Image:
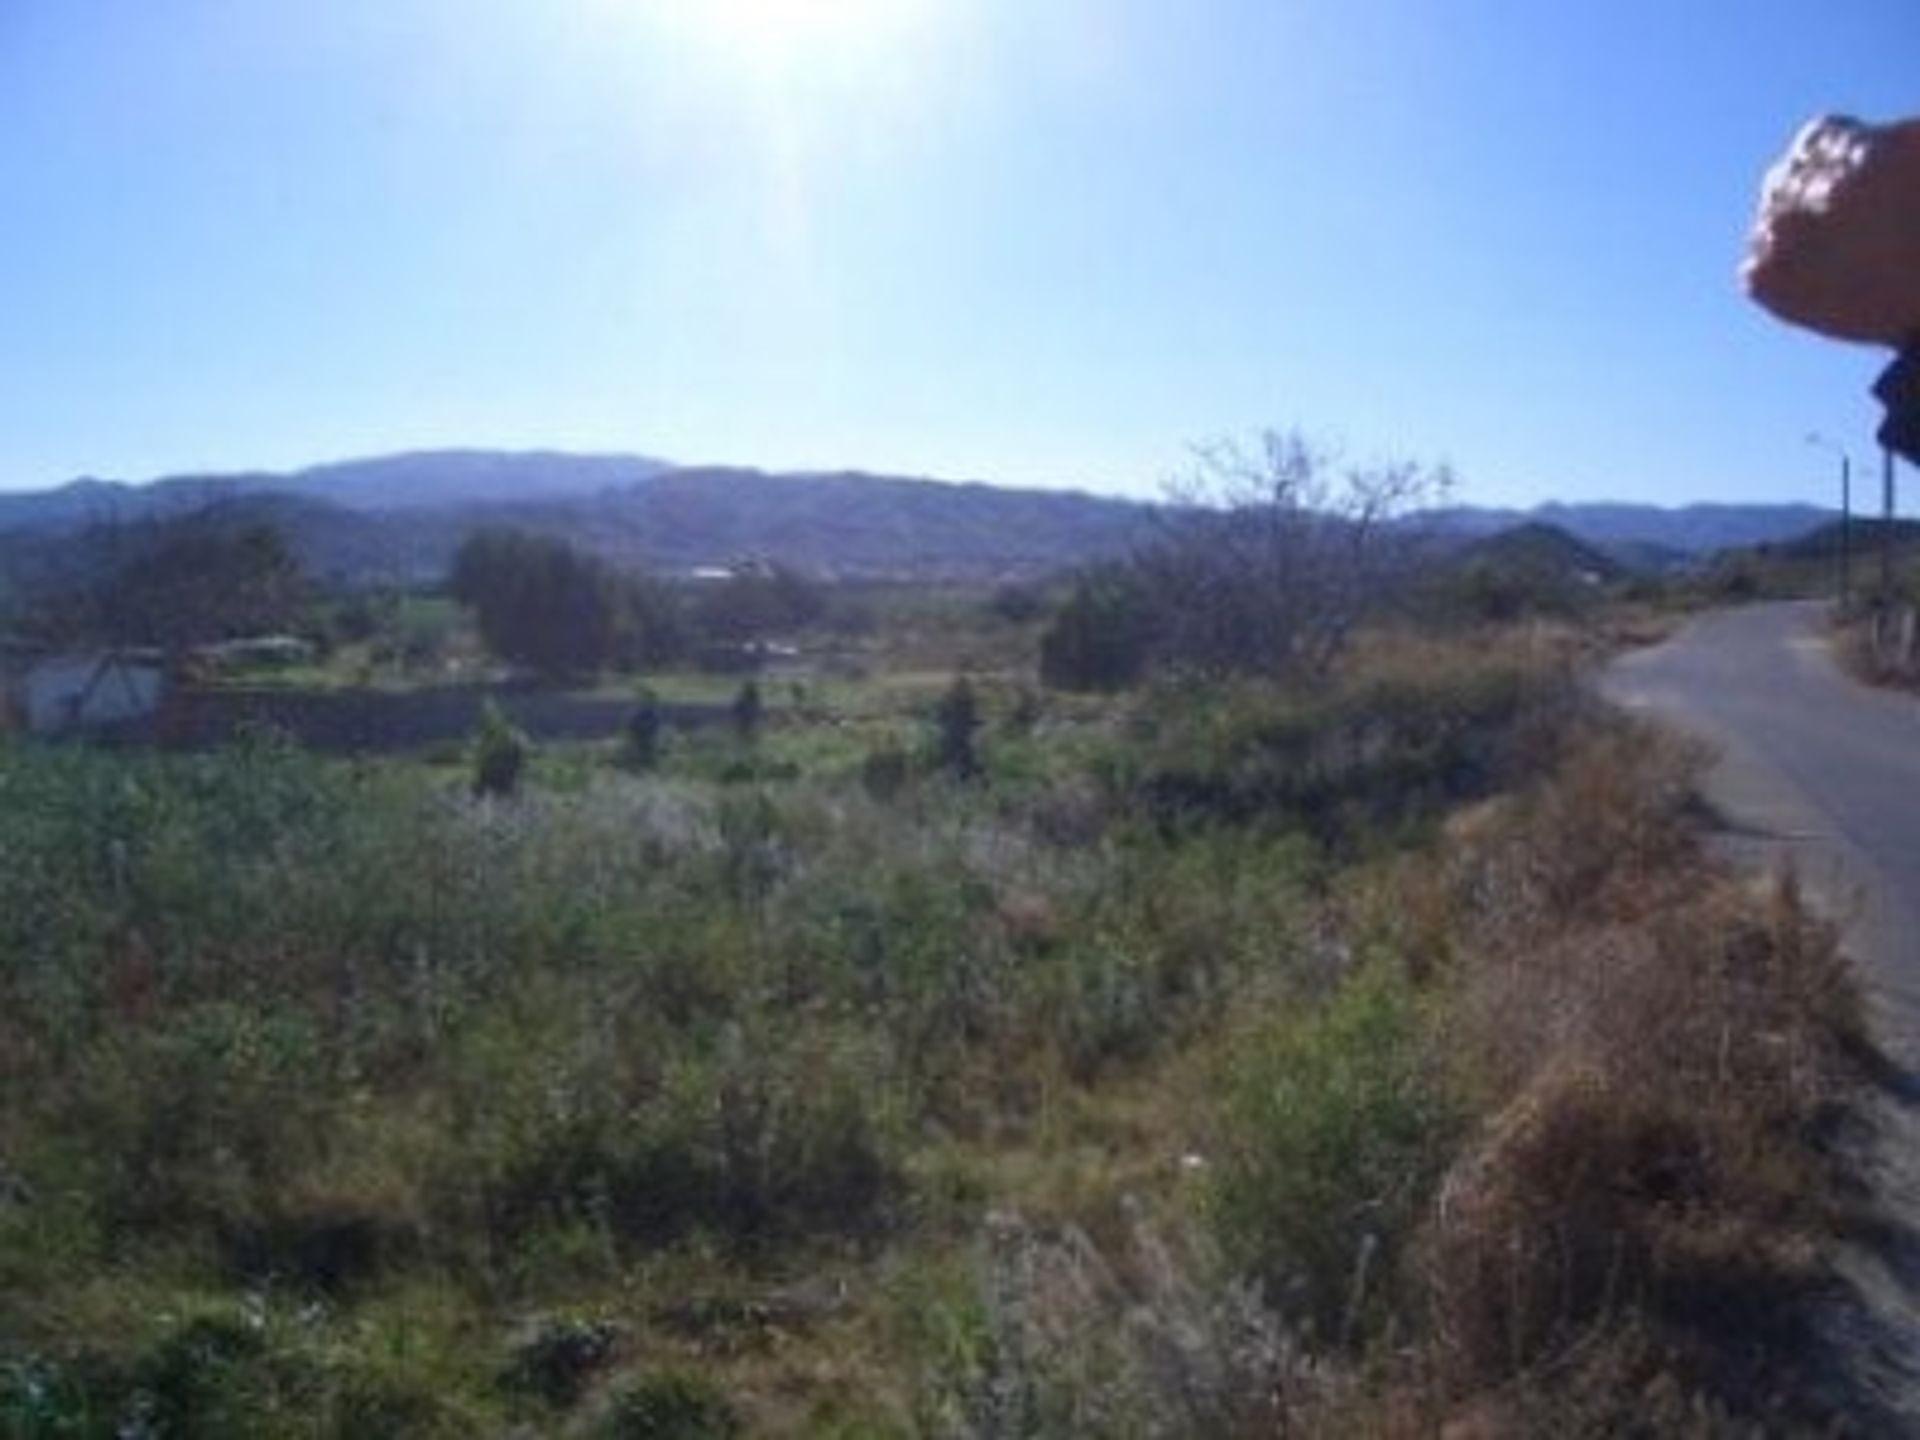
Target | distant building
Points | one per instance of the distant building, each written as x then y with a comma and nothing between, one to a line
44,692
256,652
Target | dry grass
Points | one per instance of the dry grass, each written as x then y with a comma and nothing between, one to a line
1657,1048
1029,1116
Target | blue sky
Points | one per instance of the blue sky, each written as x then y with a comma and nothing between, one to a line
1033,241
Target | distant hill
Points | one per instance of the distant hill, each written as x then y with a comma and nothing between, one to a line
848,524
1865,537
1687,530
418,480
400,517
1539,551
435,479
1528,569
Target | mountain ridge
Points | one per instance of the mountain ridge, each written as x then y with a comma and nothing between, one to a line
399,517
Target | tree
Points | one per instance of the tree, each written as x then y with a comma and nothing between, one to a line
499,753
757,601
1274,553
1103,634
748,710
641,748
648,627
538,601
180,582
542,603
956,725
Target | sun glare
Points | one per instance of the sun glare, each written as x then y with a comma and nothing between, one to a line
779,34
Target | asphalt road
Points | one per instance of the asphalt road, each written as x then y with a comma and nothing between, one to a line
1813,767
1823,772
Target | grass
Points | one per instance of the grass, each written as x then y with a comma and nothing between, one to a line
752,1093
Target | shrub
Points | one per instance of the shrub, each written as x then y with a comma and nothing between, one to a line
499,753
668,1405
748,711
1016,604
1333,1132
555,1356
1102,637
640,742
885,771
956,727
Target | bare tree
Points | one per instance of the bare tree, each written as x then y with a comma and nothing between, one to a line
1270,554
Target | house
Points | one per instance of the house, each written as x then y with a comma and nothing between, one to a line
50,692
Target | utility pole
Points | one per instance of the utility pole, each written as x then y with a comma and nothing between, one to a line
1846,516
1886,526
1846,531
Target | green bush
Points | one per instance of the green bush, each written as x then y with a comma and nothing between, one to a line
499,753
1345,765
640,739
1102,637
668,1406
956,729
885,771
1333,1131
555,1356
748,711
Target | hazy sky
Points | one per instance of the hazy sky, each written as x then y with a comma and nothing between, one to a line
1033,241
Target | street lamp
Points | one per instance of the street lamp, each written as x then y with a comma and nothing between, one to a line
1846,514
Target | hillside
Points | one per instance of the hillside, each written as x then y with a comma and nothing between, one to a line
416,480
400,517
1538,550
1685,530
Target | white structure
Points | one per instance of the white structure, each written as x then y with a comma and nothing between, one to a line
55,694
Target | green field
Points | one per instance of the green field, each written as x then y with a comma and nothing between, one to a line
793,1083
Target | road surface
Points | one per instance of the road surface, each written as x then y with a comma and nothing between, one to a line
1812,766
1819,770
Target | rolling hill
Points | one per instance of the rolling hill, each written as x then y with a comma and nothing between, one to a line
399,518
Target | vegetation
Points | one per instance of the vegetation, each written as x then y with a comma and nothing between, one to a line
499,754
1265,564
544,605
956,731
640,749
747,712
758,601
176,583
1102,635
1368,1056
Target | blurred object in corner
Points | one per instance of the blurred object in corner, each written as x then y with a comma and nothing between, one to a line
1836,245
1836,248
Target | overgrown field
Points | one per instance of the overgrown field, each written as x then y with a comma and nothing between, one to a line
1213,1062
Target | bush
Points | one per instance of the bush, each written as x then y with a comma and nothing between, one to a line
748,711
555,1356
640,741
885,771
668,1406
1347,763
1017,604
499,753
1102,638
956,726
1334,1130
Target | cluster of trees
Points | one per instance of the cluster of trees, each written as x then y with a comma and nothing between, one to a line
172,583
756,601
542,603
1264,563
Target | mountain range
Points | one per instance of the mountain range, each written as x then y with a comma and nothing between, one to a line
399,518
